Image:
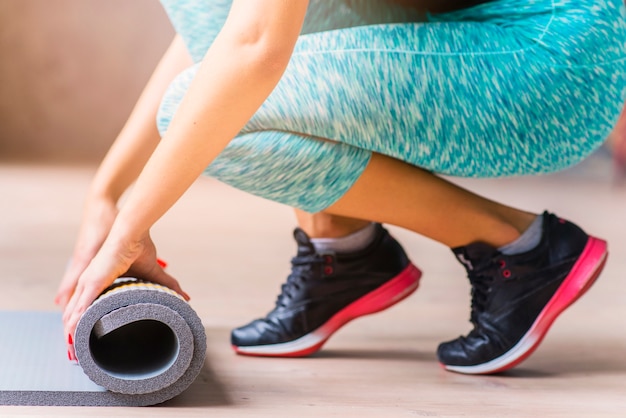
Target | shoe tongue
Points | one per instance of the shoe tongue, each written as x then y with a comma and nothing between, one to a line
473,255
305,247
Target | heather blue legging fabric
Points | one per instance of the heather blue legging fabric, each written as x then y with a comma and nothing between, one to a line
509,87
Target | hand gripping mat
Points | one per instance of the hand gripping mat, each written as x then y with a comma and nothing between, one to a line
138,344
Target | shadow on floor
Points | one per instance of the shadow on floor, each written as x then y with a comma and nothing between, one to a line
206,390
573,358
377,354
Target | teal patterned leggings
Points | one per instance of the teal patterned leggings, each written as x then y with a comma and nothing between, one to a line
509,87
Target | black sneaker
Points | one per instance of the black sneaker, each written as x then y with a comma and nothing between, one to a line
324,292
515,298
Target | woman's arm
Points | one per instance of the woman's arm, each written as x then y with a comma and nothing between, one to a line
121,166
238,73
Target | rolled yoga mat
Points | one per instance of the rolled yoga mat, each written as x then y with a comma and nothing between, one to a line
138,344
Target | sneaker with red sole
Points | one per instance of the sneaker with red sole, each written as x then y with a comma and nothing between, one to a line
516,298
325,291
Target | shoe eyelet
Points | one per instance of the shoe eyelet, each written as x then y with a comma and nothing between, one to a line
506,274
328,270
502,264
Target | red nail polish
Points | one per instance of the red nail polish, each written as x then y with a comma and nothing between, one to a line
161,263
69,355
69,339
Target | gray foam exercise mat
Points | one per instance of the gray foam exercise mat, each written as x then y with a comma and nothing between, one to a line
139,344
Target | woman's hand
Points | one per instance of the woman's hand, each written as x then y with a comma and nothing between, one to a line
97,221
116,257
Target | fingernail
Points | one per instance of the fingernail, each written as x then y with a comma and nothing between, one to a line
69,355
161,263
69,339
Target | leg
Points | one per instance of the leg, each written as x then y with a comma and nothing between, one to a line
280,332
199,25
518,290
299,325
393,192
508,137
427,95
198,22
561,279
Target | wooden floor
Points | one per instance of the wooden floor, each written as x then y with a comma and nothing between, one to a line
231,252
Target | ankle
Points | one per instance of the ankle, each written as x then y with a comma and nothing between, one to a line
321,225
498,231
351,243
512,227
528,240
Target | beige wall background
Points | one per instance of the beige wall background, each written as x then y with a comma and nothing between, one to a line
70,72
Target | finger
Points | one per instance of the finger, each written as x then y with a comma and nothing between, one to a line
166,280
71,303
67,320
81,300
68,282
71,316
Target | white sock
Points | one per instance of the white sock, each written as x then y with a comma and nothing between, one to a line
527,241
350,243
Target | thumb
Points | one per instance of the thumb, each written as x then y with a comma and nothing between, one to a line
163,278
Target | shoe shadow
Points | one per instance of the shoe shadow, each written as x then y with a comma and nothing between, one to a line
573,358
376,354
558,359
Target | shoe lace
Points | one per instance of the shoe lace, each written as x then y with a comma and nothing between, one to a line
302,270
481,279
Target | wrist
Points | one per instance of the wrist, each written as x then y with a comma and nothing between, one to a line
104,193
125,232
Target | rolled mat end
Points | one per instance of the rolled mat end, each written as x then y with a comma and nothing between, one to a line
141,339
